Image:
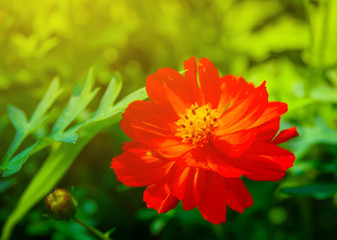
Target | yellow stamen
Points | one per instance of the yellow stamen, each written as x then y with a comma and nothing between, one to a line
197,124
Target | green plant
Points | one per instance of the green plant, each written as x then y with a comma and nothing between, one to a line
67,142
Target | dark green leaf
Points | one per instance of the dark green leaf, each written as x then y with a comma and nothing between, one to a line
6,183
319,191
158,225
16,163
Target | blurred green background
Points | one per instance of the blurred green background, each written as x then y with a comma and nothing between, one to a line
292,44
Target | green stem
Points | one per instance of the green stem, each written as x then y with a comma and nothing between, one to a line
92,230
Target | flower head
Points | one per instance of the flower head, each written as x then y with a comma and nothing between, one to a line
197,136
61,204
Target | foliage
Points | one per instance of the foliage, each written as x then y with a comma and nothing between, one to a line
60,159
290,44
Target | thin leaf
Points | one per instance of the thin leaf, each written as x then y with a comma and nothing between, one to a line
16,163
109,232
47,101
38,146
19,137
139,94
13,166
23,128
76,105
88,82
110,96
69,136
17,117
136,95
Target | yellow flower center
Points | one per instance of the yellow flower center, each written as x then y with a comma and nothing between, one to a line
197,124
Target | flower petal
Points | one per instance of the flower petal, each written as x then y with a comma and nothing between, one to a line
269,122
212,204
234,144
233,91
246,113
285,135
267,131
273,110
209,82
265,162
187,185
209,158
168,89
147,122
237,196
137,169
159,197
218,193
172,149
191,78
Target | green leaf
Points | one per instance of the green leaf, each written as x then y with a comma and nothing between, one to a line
109,232
59,161
319,191
134,96
146,214
16,163
158,225
309,136
23,128
48,99
75,106
122,188
6,183
69,136
88,82
77,103
110,96
18,138
49,174
17,117
119,108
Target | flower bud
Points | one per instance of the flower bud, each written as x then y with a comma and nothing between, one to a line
61,204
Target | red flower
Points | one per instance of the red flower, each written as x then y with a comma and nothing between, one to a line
197,136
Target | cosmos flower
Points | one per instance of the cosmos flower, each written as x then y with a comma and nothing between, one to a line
197,136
